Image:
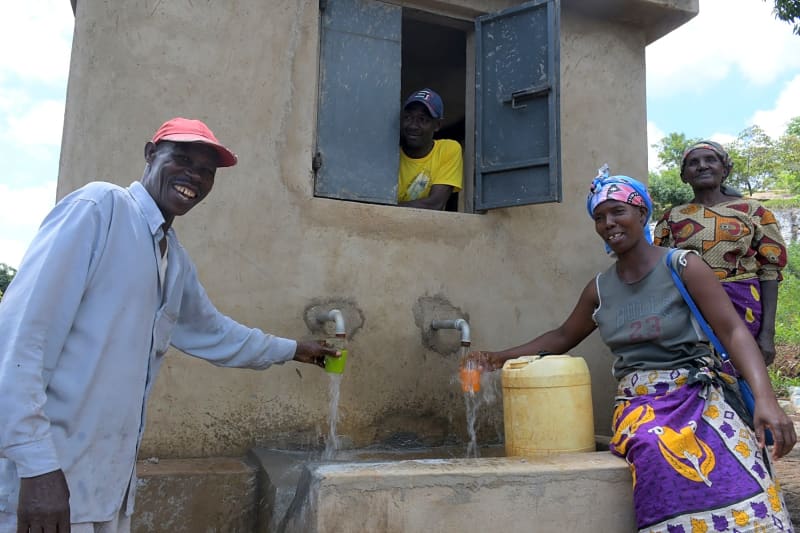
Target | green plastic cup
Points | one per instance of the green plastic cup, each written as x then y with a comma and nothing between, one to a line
335,365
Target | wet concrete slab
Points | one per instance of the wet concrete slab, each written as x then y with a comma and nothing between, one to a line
279,471
394,491
195,496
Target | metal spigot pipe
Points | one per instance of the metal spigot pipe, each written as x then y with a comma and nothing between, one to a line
459,324
337,317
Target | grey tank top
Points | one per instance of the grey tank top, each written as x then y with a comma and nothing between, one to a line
647,325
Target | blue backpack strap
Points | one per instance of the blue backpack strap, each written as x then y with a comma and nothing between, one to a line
690,302
744,388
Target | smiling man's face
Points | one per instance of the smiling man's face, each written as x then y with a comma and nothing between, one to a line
178,175
417,127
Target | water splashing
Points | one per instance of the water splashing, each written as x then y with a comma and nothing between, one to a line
332,442
471,402
471,385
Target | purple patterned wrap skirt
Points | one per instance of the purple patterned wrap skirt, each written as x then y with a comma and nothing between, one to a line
696,465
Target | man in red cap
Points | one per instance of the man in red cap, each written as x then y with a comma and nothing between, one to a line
103,291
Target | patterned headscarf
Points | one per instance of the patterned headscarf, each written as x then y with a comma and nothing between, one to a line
623,189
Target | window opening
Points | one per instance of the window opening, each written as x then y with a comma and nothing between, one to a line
434,55
498,78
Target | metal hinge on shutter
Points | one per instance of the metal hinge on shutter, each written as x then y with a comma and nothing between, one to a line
316,162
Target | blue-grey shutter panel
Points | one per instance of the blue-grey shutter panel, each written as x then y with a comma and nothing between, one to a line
358,124
517,140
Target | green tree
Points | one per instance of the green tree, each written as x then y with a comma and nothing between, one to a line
670,149
788,153
7,273
755,163
665,186
793,127
788,11
667,189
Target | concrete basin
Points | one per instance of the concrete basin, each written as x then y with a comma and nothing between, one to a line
436,489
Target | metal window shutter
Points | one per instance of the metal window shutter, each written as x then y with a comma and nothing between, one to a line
517,156
358,120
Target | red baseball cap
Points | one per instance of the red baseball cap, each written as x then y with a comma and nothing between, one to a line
186,130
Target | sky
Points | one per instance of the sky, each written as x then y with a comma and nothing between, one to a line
732,66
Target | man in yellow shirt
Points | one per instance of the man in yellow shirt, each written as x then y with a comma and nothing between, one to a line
430,169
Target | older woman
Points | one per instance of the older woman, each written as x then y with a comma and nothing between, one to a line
738,238
697,457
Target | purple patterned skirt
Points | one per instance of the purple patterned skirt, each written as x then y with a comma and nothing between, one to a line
695,464
745,295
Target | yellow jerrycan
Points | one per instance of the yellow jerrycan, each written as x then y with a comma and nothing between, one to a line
547,405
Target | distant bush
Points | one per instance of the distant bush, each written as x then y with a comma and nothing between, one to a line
7,273
781,382
782,203
667,190
787,317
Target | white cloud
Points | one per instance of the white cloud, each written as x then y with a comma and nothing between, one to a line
21,212
36,38
12,99
22,204
726,35
653,136
13,250
722,138
787,106
40,125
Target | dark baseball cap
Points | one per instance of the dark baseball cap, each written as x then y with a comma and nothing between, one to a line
431,101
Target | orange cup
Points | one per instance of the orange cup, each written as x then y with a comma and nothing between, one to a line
470,379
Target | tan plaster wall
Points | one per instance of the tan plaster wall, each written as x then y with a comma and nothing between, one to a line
266,248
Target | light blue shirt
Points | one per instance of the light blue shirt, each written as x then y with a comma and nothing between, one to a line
83,330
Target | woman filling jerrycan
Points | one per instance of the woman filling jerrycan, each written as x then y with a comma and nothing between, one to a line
547,405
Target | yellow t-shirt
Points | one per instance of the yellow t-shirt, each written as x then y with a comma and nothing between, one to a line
442,166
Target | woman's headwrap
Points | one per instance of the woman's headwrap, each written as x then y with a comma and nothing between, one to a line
623,189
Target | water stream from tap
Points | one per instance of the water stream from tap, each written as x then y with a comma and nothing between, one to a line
471,402
332,442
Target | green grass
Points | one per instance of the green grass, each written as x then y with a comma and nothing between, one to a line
787,317
781,382
787,323
782,203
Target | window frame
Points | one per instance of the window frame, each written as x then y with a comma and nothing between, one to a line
476,174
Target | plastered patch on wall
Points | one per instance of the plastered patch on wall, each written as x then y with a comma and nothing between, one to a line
352,314
443,341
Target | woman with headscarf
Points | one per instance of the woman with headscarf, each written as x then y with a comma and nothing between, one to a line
696,461
739,239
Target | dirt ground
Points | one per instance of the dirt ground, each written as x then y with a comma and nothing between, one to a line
787,469
787,360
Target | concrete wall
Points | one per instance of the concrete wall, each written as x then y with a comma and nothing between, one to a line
266,249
